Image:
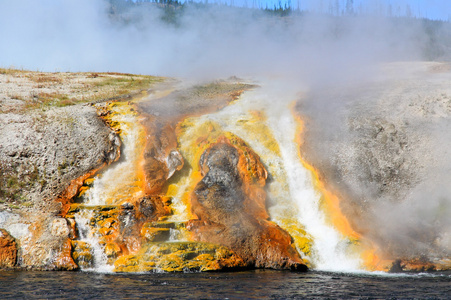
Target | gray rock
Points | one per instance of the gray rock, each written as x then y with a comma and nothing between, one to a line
384,144
41,152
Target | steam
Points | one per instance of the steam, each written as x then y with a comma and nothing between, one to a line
313,52
419,226
216,41
384,144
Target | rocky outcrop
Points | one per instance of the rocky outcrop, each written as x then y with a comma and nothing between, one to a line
54,230
231,231
384,145
180,257
42,153
8,250
230,198
132,232
161,156
229,202
415,265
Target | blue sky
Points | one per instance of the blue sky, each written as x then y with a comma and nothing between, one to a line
432,9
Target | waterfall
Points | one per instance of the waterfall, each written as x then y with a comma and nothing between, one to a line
263,119
98,260
120,181
329,246
293,200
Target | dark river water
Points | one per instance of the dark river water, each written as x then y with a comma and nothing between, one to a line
239,285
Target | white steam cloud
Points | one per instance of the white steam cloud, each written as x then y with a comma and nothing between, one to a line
206,42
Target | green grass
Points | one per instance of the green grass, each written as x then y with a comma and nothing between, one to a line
86,87
14,186
125,85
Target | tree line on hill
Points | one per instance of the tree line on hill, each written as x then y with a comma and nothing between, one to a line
436,43
284,7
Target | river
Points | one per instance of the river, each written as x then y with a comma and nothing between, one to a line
256,284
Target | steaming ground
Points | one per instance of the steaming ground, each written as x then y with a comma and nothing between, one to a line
386,148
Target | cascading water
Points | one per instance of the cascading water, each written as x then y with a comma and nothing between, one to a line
121,181
118,184
270,129
329,246
99,261
294,203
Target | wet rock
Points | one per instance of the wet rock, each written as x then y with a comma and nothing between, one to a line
167,224
161,158
229,202
127,205
152,207
132,217
422,264
60,228
82,254
128,222
112,251
174,162
180,257
219,193
104,223
63,259
8,250
151,234
72,228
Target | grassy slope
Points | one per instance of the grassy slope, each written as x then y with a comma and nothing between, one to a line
30,90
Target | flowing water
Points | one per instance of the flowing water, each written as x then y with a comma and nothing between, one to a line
87,235
329,246
294,201
263,118
258,284
121,181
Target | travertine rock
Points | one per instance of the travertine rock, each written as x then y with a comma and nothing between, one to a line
384,144
229,203
8,250
179,257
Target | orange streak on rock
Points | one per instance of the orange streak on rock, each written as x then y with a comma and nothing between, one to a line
373,262
239,209
65,198
64,261
159,143
371,256
123,118
331,201
8,250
